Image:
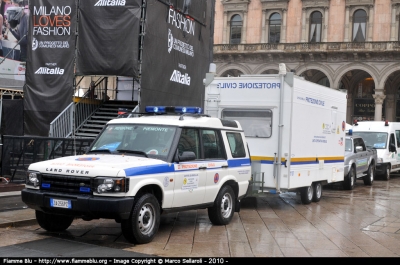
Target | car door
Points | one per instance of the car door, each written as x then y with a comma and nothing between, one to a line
190,176
361,156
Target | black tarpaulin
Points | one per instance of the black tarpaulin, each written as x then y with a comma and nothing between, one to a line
50,63
108,41
175,55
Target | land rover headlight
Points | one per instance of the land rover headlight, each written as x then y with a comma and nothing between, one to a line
32,178
107,185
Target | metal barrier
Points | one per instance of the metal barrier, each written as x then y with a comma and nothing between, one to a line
19,152
62,125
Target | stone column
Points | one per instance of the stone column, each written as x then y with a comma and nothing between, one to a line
283,33
326,21
379,97
347,25
263,28
303,26
393,24
226,26
244,29
370,23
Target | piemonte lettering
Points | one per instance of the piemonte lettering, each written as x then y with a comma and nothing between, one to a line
181,22
56,21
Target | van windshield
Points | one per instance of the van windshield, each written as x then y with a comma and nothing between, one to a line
376,140
149,140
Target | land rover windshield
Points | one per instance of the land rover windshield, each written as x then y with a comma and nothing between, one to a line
376,140
147,140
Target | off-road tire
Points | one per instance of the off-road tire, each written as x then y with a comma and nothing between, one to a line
221,213
369,178
386,175
53,222
144,220
350,179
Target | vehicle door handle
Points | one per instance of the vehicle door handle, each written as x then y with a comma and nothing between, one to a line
202,167
224,166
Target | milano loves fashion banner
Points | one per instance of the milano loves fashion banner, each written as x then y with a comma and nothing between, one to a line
50,63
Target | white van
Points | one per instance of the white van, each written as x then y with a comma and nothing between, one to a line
384,136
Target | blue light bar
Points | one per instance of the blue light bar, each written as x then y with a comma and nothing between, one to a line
176,110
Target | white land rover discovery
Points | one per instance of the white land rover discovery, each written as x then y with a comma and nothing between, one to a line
139,168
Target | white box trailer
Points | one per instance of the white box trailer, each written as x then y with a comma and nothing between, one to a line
295,130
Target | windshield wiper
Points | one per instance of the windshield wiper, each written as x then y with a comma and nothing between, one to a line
100,151
132,152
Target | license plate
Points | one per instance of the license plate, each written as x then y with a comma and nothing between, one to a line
60,203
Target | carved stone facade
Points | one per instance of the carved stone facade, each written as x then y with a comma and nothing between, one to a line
368,70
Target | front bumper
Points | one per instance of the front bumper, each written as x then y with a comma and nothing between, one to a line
85,206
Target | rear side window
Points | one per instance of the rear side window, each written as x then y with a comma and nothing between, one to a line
212,144
255,122
236,144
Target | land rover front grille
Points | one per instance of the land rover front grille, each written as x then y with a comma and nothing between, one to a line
68,184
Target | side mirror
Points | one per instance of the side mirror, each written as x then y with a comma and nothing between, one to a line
186,156
359,148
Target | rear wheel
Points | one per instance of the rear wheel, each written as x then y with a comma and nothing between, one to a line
348,183
317,194
224,206
306,194
386,175
369,178
53,222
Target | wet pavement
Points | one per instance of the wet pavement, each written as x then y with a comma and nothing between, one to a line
364,222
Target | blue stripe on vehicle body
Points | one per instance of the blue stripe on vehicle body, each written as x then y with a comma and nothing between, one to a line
169,168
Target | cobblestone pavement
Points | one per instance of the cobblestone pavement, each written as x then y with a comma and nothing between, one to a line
364,222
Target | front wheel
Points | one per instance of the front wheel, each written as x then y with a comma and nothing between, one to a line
306,194
53,222
348,183
369,178
144,220
386,175
224,207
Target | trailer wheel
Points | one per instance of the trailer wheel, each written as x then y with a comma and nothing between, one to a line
306,194
348,183
224,206
317,193
144,220
53,222
386,175
369,178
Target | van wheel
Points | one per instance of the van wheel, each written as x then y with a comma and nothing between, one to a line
369,178
144,220
224,207
317,194
386,175
53,222
306,194
348,183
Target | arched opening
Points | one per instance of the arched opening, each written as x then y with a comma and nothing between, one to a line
274,28
232,73
236,30
360,88
359,25
315,26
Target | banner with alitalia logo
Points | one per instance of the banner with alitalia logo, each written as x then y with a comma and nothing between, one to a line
176,52
50,63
